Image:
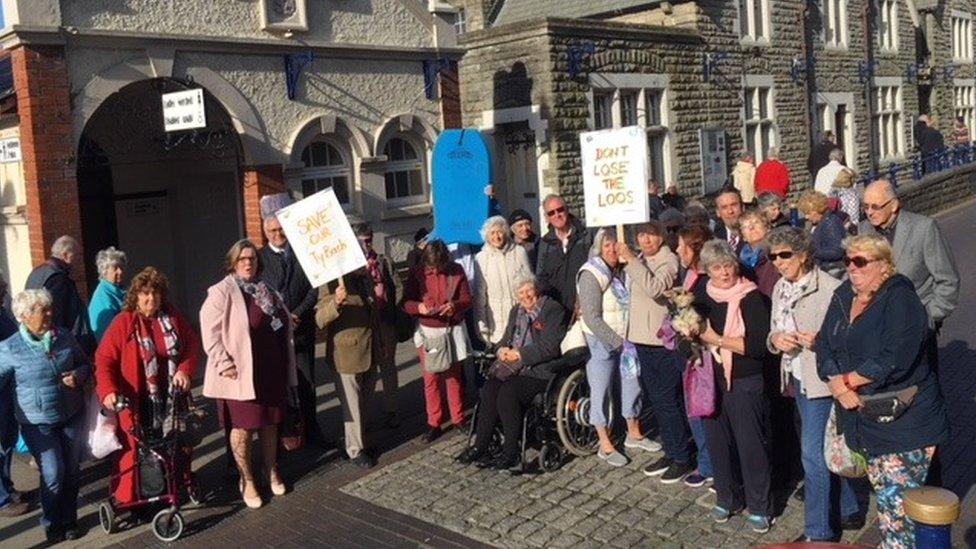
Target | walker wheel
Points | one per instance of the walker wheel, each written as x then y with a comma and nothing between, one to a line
106,517
167,525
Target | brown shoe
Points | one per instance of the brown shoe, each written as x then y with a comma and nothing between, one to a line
14,509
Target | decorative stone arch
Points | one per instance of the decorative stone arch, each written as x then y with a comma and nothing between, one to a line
328,124
244,117
404,123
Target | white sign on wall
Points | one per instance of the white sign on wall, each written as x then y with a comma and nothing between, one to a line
714,169
615,172
321,237
10,150
184,110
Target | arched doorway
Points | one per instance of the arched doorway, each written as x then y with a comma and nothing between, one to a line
171,200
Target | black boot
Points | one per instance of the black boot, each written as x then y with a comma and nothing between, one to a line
470,455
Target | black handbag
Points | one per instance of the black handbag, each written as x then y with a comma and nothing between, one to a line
887,407
404,325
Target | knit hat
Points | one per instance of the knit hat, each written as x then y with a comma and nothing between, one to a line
671,217
519,215
271,203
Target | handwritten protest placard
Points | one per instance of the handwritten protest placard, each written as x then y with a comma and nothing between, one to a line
321,237
615,176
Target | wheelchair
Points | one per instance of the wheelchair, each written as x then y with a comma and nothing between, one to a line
557,420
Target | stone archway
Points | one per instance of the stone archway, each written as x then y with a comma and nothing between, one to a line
171,200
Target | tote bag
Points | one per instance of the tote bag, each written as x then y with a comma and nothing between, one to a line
699,383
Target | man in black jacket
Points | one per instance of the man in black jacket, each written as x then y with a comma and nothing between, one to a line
54,275
280,270
562,251
820,154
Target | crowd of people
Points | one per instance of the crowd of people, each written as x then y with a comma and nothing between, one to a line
803,318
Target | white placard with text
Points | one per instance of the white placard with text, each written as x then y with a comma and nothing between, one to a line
184,110
615,168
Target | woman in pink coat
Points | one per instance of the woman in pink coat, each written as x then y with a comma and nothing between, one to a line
247,335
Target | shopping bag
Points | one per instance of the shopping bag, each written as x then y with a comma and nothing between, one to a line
103,436
699,383
841,460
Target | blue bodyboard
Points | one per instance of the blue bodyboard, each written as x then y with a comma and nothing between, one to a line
462,170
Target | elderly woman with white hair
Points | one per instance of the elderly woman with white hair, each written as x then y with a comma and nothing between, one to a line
109,295
738,433
533,332
48,368
497,266
604,297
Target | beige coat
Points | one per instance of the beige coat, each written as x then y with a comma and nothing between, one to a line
649,278
809,315
497,271
349,328
226,336
743,179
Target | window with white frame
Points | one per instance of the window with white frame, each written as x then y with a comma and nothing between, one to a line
889,126
962,37
326,166
636,105
460,22
404,172
759,120
834,18
887,16
754,20
964,104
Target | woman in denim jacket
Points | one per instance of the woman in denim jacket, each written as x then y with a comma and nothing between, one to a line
48,369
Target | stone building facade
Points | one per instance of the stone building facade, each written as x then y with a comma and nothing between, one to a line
756,72
299,95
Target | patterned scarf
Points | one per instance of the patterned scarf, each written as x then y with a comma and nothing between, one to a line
524,318
783,320
373,266
751,257
162,419
620,286
265,297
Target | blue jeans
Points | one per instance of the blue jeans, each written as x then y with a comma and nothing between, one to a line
662,385
8,441
704,459
57,450
603,375
821,488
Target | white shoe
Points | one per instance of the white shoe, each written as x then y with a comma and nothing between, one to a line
614,459
642,444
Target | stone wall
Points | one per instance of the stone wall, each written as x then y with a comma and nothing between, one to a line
938,192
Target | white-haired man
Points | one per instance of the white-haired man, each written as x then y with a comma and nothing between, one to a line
68,309
828,174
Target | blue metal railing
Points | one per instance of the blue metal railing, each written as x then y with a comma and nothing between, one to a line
919,166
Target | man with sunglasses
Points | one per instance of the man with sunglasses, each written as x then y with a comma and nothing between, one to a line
562,251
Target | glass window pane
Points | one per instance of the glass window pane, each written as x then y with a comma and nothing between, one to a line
306,156
308,187
320,154
751,143
654,103
402,184
760,22
409,153
341,186
749,108
390,185
628,108
744,17
416,183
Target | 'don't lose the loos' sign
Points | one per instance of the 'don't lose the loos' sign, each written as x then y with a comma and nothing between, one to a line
615,171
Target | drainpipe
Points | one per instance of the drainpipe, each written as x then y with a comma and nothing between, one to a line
869,38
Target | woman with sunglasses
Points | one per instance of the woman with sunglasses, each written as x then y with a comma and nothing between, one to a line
800,301
871,352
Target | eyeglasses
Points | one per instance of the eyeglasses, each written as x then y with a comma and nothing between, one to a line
781,255
554,211
876,207
858,261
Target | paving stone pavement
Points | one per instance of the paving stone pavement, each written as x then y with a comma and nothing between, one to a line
586,503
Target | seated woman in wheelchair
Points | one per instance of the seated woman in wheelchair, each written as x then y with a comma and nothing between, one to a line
536,325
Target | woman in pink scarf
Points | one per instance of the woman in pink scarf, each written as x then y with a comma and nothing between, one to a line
738,435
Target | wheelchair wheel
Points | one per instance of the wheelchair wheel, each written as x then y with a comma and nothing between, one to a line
550,457
106,517
572,415
167,525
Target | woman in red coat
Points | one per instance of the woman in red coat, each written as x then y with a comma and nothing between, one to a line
148,346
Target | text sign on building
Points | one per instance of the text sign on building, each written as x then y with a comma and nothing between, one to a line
10,150
615,172
321,237
183,110
715,170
